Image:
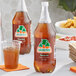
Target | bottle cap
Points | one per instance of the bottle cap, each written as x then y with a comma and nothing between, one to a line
45,18
45,4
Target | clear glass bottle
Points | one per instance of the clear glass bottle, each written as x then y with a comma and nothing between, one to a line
44,43
21,27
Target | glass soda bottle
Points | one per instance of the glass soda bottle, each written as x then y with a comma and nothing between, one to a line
44,43
21,27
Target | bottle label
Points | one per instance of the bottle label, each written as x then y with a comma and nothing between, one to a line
21,31
44,47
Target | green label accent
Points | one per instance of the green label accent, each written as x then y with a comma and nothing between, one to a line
43,55
44,47
21,31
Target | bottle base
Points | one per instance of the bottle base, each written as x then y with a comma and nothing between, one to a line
44,67
25,51
50,71
22,53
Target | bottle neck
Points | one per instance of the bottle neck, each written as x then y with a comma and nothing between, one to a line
22,6
45,18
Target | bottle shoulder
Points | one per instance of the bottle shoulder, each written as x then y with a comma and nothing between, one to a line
44,30
21,17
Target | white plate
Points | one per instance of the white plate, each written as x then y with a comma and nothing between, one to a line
66,31
60,44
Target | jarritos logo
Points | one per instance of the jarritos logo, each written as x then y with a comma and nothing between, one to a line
44,47
21,31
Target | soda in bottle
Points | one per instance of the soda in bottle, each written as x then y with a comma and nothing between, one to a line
21,27
44,43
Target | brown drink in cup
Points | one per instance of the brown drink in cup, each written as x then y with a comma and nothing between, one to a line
11,54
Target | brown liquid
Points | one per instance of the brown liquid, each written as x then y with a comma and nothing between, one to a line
21,18
11,56
44,63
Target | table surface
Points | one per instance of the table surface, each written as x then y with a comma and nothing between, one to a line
63,64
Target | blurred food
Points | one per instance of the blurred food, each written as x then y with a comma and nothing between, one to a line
67,38
73,69
71,23
72,51
57,36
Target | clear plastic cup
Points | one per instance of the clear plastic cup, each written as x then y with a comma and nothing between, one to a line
11,53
